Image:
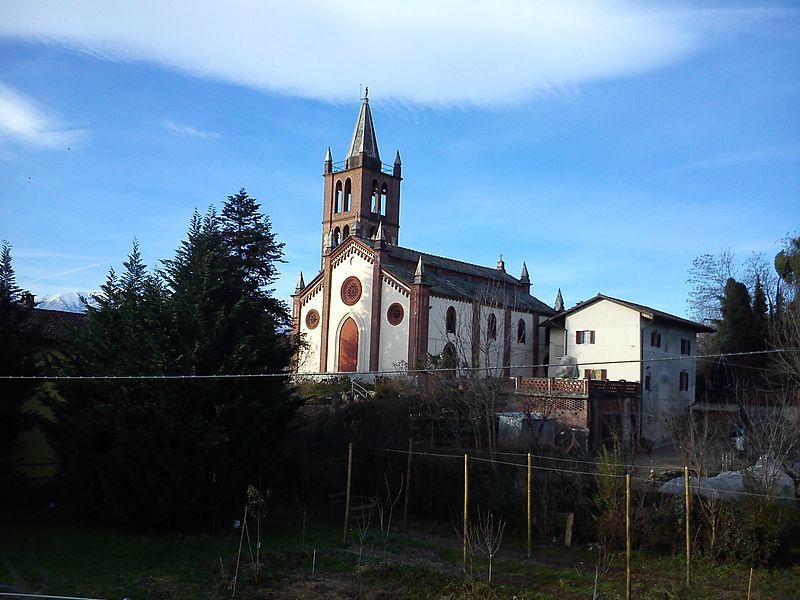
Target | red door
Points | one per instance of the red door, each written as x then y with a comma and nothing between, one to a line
348,347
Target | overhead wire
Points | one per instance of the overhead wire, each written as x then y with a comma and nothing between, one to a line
455,370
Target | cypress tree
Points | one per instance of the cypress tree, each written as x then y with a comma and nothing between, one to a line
158,452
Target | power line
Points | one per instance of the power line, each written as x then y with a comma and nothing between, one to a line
455,370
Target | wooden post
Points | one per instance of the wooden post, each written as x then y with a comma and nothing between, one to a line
568,530
347,495
408,481
750,584
628,536
688,533
529,504
239,554
466,507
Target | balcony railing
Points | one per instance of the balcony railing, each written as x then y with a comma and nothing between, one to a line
584,387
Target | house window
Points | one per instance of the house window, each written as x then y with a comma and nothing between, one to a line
336,237
450,320
584,337
655,339
686,347
346,232
595,374
521,331
491,327
648,382
684,382
374,202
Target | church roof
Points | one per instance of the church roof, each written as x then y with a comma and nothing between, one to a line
364,139
462,280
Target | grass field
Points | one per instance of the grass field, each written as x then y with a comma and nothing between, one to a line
44,554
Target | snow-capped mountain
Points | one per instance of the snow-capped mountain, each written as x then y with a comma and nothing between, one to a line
67,301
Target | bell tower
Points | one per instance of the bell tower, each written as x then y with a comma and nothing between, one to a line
361,193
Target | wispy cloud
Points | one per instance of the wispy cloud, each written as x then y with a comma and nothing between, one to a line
189,131
70,271
447,52
23,120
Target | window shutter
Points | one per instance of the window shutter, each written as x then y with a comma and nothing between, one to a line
591,337
577,337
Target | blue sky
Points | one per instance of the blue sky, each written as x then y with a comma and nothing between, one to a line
605,143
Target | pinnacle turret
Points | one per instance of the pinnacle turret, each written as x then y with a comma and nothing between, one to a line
419,274
559,305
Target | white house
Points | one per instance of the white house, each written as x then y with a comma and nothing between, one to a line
609,338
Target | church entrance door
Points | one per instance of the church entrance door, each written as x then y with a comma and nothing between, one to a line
348,347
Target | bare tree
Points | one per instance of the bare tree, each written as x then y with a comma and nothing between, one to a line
486,536
703,442
707,277
385,502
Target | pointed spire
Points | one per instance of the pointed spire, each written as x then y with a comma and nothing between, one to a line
501,265
559,306
397,160
524,277
328,155
364,140
301,284
419,274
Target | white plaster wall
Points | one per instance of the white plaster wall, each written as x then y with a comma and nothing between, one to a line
522,354
437,332
394,338
665,399
353,265
617,338
309,359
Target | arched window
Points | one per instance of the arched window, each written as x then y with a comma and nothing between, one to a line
374,200
450,320
491,327
345,232
337,236
372,232
337,207
521,331
348,195
384,199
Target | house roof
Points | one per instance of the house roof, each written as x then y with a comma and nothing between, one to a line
646,311
52,325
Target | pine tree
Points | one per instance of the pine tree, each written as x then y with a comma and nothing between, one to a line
17,357
248,233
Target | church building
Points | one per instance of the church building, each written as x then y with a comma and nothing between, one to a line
379,306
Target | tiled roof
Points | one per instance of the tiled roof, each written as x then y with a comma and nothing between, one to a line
641,308
52,325
463,280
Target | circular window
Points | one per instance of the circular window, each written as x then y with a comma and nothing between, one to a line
395,314
312,319
351,291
